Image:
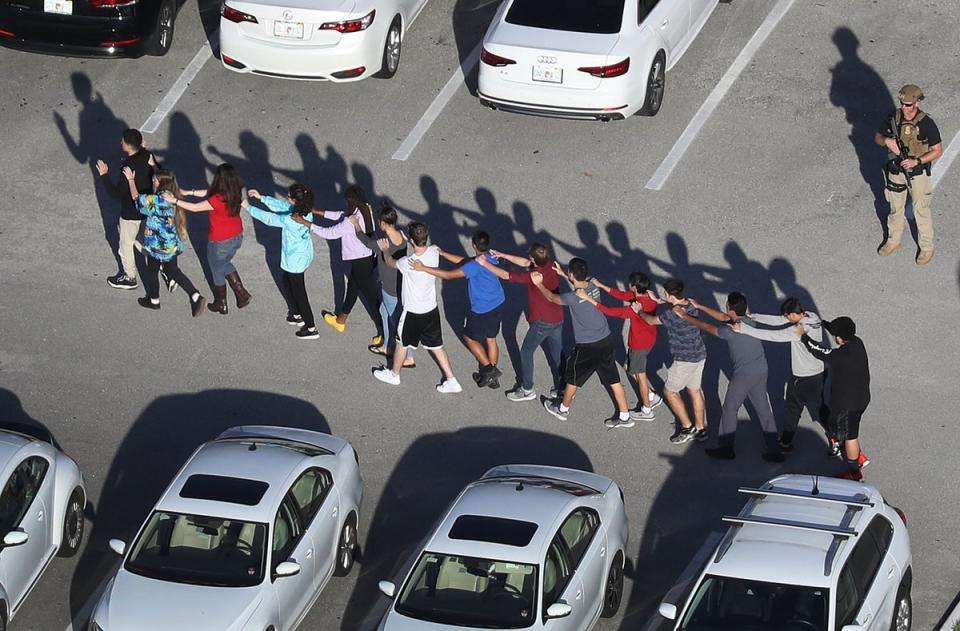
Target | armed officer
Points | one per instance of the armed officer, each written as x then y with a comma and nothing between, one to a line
913,140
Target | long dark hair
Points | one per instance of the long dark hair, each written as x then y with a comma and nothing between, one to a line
357,201
302,199
227,184
167,183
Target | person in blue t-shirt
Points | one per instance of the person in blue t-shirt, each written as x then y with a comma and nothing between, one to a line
486,300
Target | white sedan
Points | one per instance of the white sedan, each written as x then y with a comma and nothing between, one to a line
526,546
244,538
41,512
320,40
585,59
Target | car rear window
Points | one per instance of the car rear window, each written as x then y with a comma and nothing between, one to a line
580,16
508,532
224,489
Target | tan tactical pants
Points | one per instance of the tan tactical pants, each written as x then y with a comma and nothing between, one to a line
922,196
130,235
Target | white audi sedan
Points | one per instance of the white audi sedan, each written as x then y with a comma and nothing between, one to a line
524,547
41,512
585,59
320,40
244,538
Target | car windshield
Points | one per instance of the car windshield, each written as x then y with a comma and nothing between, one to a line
581,16
200,550
470,592
737,604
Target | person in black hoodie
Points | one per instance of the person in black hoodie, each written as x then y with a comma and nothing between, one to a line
131,221
850,390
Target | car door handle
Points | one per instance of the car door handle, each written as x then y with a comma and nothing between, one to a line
309,553
336,510
579,594
603,551
40,516
664,23
891,571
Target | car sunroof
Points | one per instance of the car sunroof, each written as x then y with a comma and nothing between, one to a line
223,489
510,532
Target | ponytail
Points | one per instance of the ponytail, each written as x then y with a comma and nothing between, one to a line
357,202
302,199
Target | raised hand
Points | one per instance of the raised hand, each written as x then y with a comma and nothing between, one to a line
355,220
167,195
557,269
537,278
128,173
800,330
383,244
102,167
300,219
417,265
737,327
254,193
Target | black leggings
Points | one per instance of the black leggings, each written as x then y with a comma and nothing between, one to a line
173,272
296,295
363,280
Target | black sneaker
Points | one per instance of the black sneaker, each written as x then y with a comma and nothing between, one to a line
146,303
700,435
683,435
294,320
308,334
122,281
773,455
720,453
834,449
197,306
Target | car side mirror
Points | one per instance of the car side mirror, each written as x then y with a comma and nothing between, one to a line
119,546
15,538
387,588
668,611
287,568
559,610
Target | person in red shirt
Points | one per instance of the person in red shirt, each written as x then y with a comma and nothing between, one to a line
545,318
641,337
225,234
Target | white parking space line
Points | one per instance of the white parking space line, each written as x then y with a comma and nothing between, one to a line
433,112
683,583
178,88
79,622
941,166
683,143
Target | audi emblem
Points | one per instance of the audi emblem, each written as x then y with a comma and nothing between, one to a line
546,59
288,15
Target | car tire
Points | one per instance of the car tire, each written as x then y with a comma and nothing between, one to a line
162,36
346,547
613,588
656,83
73,525
903,614
391,51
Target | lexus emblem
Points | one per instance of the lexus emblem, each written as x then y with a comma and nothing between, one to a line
546,59
288,15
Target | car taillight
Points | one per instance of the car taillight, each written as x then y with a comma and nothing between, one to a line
494,60
902,515
350,26
99,4
229,13
119,42
5,33
606,72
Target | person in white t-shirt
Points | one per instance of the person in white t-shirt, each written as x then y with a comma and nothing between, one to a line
420,318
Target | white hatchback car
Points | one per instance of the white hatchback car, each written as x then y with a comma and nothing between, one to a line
320,40
244,538
41,512
585,59
805,554
524,547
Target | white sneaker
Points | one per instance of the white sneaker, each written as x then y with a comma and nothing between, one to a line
387,376
643,414
655,400
449,386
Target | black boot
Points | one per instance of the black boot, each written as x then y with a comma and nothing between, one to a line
243,296
219,304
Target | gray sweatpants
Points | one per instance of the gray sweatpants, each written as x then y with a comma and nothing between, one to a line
741,388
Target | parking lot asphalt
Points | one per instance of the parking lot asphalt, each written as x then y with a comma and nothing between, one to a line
776,196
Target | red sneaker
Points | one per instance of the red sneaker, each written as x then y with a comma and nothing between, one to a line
856,476
863,460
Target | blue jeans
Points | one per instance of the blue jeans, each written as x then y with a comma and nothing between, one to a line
536,335
219,255
390,316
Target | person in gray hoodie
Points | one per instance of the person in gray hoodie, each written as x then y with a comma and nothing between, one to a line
805,387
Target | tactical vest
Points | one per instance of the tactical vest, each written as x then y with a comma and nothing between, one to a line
909,131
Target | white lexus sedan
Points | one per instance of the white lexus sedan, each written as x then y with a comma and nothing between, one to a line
585,59
320,40
524,547
41,512
244,538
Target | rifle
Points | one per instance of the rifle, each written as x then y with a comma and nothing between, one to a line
894,164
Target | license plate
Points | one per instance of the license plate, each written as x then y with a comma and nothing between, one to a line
290,30
548,74
63,7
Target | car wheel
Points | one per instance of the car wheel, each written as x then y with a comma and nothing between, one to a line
656,81
347,547
73,525
163,33
391,51
903,618
613,591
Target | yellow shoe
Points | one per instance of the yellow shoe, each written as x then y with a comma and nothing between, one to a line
924,257
377,340
889,247
331,319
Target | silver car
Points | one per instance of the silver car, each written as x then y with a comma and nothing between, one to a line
41,512
524,547
244,538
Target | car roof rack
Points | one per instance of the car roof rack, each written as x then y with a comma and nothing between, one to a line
859,500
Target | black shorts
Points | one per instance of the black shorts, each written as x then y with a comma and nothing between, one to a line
845,424
483,326
415,329
586,359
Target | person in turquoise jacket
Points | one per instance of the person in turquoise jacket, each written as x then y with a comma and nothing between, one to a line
296,250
